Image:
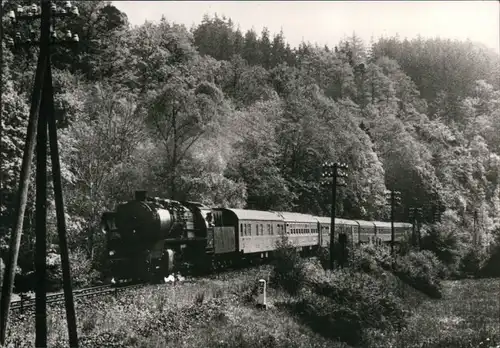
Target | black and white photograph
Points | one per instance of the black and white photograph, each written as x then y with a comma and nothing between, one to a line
250,174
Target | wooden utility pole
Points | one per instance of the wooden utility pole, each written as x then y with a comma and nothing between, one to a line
394,198
43,104
29,148
330,174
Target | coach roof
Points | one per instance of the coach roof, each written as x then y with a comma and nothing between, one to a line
244,214
327,220
297,217
363,223
383,224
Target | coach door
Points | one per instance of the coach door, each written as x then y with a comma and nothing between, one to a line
224,235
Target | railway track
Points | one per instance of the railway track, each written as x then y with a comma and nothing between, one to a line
29,302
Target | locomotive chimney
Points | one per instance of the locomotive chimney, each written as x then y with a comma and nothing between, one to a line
140,195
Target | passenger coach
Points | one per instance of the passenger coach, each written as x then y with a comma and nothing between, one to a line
253,232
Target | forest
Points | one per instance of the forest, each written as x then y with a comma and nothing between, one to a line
227,118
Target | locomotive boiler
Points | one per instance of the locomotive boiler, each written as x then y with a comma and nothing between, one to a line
147,237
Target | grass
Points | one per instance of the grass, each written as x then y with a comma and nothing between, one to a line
218,312
468,315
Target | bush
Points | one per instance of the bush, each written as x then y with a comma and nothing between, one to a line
422,270
445,243
345,304
323,255
369,258
288,267
490,268
472,262
82,272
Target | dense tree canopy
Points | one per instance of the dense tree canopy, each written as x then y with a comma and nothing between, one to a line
237,119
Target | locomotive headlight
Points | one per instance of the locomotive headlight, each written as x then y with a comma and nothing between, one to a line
111,253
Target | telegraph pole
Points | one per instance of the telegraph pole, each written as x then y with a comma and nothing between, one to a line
43,103
412,216
332,171
419,215
394,198
476,237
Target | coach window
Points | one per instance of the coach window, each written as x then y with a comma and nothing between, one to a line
241,229
261,229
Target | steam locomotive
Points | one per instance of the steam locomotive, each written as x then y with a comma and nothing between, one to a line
149,238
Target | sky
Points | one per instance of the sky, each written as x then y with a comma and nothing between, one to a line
327,22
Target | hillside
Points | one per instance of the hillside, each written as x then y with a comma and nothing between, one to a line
244,120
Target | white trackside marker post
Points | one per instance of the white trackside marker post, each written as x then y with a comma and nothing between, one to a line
261,295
